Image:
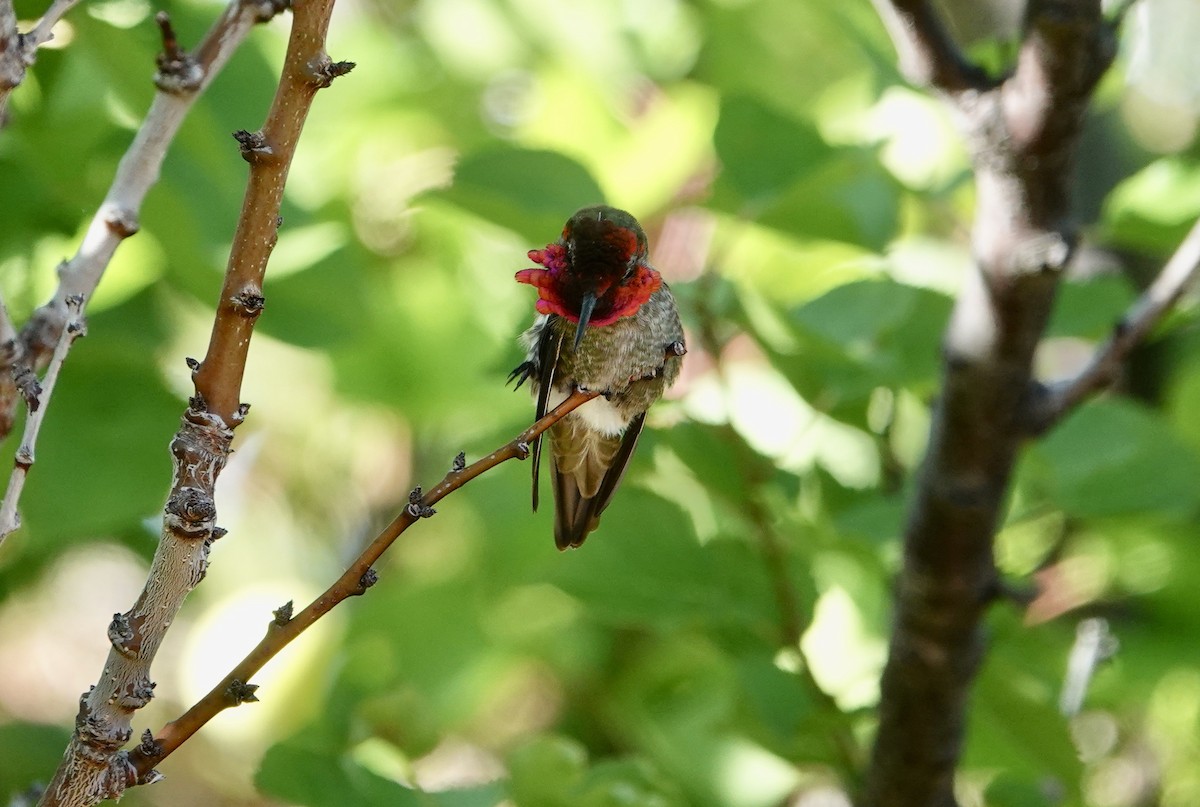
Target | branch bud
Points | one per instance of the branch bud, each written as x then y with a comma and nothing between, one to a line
241,692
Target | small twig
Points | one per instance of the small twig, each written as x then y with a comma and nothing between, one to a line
928,55
12,66
1094,643
10,347
10,520
1061,397
41,32
354,581
19,51
178,71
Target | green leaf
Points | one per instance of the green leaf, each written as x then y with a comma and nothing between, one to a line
763,151
544,769
713,456
780,708
1113,457
626,783
861,336
1007,790
780,172
1152,210
291,772
1015,723
529,192
1090,309
849,198
30,753
643,566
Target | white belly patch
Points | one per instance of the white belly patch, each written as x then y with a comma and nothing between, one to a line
597,413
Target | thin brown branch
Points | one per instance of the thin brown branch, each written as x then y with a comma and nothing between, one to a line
307,69
928,54
1023,137
354,581
93,767
10,520
117,217
1061,397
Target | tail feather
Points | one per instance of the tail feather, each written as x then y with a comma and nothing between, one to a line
586,478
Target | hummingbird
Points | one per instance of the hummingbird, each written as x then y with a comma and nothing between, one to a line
606,322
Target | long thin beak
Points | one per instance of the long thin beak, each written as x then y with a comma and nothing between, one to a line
585,313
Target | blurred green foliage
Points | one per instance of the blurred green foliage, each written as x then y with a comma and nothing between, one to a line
811,214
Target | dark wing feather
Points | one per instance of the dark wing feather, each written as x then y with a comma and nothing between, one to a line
548,345
577,515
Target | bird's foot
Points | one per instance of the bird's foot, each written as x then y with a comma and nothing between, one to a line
606,394
672,351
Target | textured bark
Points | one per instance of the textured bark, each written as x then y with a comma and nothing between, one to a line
94,767
1022,131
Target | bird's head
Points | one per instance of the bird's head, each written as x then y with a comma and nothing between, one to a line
597,272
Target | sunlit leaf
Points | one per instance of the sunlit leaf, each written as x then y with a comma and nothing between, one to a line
861,336
1113,457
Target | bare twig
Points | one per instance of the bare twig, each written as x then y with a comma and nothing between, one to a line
1023,135
1061,397
928,55
354,581
10,520
10,348
19,51
1094,643
93,767
41,32
116,219
12,61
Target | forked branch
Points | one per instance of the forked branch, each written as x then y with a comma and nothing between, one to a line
181,77
1180,273
1023,134
231,690
19,51
928,54
94,767
36,396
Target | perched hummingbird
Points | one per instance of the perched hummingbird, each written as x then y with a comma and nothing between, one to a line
606,322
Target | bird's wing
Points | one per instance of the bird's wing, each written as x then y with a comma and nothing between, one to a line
549,343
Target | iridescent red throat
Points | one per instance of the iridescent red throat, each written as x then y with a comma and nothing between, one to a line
560,287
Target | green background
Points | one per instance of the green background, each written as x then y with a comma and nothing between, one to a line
811,214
